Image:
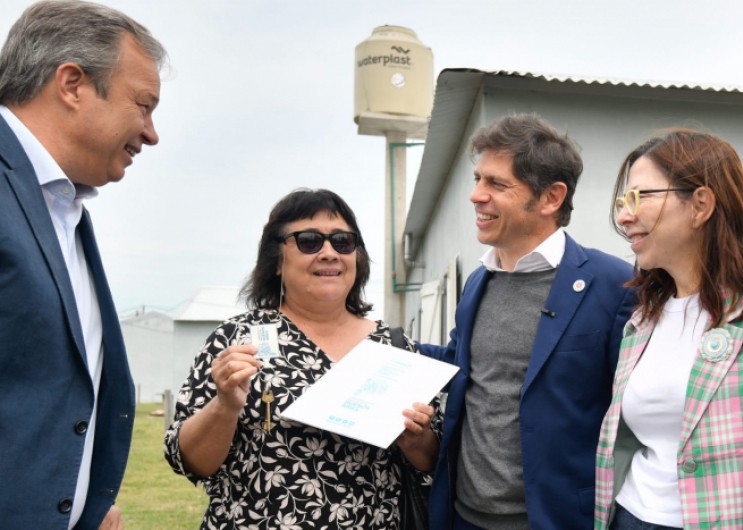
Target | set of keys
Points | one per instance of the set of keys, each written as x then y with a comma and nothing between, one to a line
265,337
267,398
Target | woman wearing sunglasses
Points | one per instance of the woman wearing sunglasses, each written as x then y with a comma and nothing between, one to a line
307,312
670,453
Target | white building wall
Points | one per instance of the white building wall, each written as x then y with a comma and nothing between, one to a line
149,344
188,339
161,349
606,126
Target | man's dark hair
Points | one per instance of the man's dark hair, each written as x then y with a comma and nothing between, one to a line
541,155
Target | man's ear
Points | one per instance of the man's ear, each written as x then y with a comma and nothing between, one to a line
703,203
68,80
553,197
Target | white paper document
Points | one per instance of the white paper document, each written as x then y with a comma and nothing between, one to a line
364,394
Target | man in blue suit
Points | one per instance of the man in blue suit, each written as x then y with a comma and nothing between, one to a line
78,84
537,334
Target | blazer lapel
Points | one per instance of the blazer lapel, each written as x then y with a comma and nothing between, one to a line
636,338
22,180
633,345
466,323
568,289
112,338
704,381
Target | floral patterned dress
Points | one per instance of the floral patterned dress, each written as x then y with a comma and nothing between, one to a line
295,477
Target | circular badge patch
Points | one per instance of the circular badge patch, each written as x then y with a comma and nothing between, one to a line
717,345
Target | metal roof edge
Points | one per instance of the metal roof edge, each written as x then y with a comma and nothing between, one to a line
617,81
456,92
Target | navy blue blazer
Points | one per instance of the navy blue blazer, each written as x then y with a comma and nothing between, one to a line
46,393
565,394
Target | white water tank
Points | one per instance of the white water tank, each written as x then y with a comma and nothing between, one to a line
394,74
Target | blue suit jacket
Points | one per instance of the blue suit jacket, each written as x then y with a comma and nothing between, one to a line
565,394
46,393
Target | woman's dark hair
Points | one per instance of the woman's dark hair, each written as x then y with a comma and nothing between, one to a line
262,290
691,159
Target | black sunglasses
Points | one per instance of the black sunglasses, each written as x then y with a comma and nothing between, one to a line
311,241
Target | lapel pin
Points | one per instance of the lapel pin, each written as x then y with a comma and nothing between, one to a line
717,344
579,285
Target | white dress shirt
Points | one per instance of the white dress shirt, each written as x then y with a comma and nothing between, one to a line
547,255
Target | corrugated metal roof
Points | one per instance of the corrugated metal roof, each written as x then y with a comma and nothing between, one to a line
617,81
456,92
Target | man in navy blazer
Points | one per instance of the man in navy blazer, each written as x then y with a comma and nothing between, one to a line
537,334
78,84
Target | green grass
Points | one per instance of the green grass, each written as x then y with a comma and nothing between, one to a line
152,496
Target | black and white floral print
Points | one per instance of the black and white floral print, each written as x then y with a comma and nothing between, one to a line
294,477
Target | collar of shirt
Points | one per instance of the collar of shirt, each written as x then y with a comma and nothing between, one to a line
51,177
547,255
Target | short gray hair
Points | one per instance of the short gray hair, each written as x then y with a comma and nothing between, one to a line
53,32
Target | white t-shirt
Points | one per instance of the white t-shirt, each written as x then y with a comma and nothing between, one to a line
653,408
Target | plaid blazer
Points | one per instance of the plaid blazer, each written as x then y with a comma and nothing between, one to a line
710,454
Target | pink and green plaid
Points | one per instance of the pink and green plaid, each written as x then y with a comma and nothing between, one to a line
710,456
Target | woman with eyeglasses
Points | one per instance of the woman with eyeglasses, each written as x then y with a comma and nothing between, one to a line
307,312
670,453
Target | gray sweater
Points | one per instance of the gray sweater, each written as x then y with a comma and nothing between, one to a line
490,485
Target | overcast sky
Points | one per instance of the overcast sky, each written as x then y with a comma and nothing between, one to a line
260,101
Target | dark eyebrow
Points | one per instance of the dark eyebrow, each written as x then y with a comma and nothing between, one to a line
492,178
488,175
